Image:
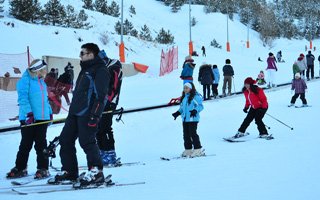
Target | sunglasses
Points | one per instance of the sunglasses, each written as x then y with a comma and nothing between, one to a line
83,53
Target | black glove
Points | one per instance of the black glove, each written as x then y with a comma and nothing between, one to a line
246,109
176,114
93,121
193,113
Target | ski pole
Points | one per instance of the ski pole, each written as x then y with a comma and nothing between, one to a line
280,121
268,127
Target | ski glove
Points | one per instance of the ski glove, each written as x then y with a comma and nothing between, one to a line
176,114
193,113
245,109
29,119
93,121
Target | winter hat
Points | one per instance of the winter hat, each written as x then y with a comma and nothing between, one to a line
270,54
249,80
214,66
188,85
297,75
301,55
37,65
189,58
228,61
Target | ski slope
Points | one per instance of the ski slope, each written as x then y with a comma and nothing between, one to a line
284,168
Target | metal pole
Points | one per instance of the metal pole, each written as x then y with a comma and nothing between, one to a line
121,21
190,20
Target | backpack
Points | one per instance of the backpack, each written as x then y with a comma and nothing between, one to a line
115,70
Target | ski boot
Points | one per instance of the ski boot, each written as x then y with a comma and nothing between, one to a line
186,153
16,173
109,158
92,178
62,177
41,173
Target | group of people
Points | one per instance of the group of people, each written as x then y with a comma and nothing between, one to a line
96,96
96,91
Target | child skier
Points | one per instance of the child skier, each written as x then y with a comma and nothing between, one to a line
260,80
256,100
190,107
300,87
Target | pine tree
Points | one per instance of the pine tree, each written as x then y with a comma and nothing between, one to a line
117,27
132,10
27,10
102,6
54,13
71,17
81,21
127,27
164,37
114,9
1,9
145,33
88,4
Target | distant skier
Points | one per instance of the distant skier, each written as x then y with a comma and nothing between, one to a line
206,78
300,87
271,69
310,65
279,56
216,75
260,79
203,51
256,100
187,70
190,107
228,75
301,62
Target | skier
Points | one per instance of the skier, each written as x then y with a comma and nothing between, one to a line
187,70
105,137
33,107
302,64
88,103
271,68
260,79
295,68
64,84
256,100
216,80
310,65
279,56
190,107
300,87
228,75
203,51
206,78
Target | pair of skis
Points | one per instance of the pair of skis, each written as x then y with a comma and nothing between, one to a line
245,138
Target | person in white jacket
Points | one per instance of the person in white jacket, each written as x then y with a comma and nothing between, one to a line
302,64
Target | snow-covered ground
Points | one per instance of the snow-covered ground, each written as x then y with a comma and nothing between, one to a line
284,168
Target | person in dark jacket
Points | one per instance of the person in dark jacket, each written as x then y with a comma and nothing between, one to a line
206,78
257,104
300,87
228,75
105,136
203,51
64,84
310,65
88,103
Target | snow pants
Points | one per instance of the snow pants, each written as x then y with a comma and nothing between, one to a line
257,115
105,136
302,97
77,127
32,134
190,136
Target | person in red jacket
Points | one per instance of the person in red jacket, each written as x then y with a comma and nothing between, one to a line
257,104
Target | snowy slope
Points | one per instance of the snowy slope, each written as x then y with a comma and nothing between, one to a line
284,168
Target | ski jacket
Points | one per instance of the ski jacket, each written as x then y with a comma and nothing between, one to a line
295,68
271,63
206,76
33,97
216,75
187,71
301,62
227,70
185,108
255,100
310,59
91,91
299,85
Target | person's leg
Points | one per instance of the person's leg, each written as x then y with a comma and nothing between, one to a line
308,72
312,71
229,84
186,135
40,144
294,98
224,86
87,140
193,133
67,140
25,147
204,92
208,91
258,118
246,122
303,98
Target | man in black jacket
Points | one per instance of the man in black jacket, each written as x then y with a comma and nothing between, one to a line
89,99
228,75
310,64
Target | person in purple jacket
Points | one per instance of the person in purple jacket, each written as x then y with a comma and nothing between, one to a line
271,69
300,87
